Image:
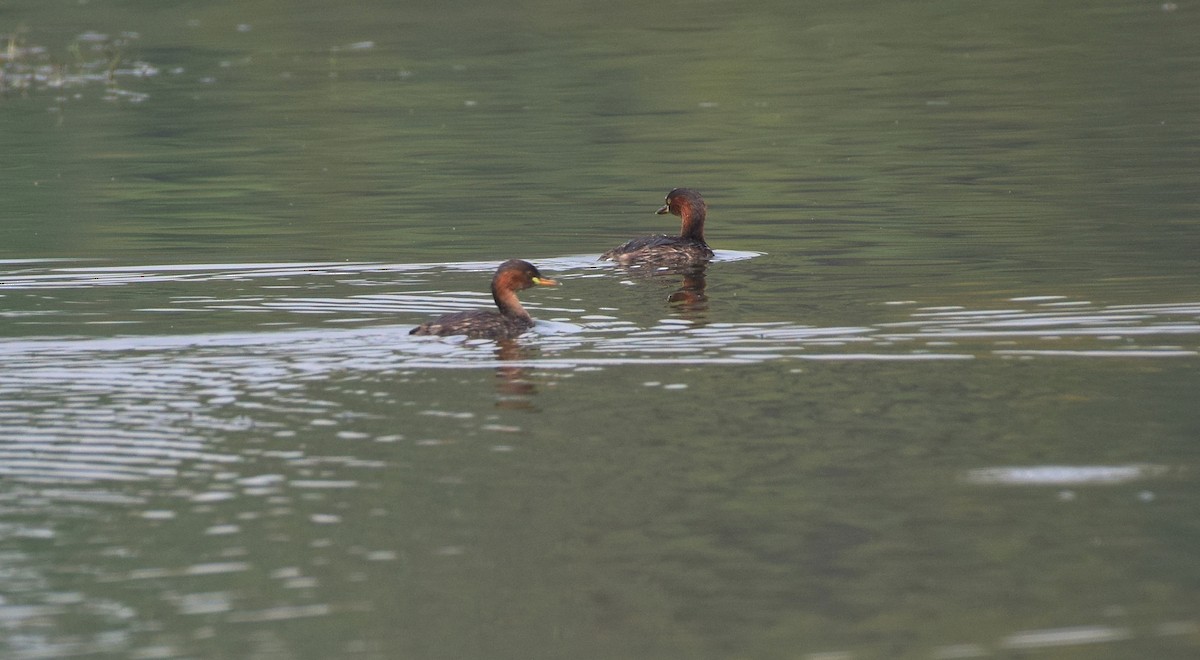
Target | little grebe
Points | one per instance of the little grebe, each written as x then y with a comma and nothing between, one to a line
512,319
687,247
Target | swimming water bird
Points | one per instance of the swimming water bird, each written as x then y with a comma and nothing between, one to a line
686,248
510,322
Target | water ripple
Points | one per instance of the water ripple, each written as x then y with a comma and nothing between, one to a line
1026,327
185,371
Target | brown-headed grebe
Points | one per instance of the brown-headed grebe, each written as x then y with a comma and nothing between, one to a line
510,322
686,248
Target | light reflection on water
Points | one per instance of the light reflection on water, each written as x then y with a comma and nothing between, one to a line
134,407
1064,475
216,428
130,407
572,334
162,383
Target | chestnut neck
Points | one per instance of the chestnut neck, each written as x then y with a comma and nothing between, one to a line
692,226
505,296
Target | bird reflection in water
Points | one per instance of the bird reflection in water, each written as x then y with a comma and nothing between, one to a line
514,390
689,298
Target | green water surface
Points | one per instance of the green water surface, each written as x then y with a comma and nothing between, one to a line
936,397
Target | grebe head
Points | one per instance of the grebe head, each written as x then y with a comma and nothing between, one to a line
515,275
683,202
689,205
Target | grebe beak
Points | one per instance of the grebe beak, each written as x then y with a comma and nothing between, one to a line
545,281
664,210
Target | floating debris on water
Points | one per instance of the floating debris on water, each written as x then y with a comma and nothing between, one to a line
92,58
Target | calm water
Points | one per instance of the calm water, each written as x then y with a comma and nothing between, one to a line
935,398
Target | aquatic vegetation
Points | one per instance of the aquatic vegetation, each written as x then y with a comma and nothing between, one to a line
91,59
